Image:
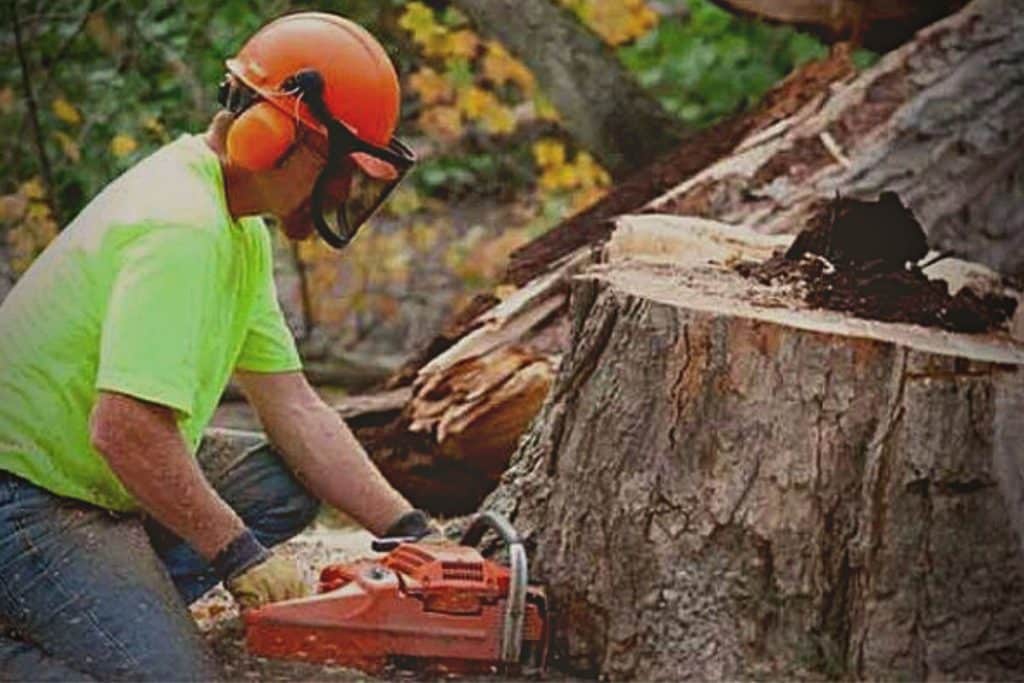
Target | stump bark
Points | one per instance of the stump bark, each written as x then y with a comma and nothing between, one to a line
725,484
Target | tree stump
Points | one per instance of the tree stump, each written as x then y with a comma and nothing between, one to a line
723,483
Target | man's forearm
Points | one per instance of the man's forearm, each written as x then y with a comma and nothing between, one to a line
333,465
144,448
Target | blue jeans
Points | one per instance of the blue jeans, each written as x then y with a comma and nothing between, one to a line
96,595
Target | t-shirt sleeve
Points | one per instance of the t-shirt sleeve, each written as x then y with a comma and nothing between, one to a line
152,332
269,345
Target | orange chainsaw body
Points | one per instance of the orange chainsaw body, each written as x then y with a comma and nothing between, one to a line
442,604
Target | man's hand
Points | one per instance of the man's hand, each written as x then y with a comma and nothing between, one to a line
415,524
272,580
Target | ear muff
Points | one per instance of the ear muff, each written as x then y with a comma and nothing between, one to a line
259,137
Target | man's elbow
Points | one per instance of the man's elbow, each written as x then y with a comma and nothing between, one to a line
121,424
103,431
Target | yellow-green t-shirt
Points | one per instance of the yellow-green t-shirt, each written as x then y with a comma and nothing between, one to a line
152,291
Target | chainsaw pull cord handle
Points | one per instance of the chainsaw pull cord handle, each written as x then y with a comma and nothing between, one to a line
512,631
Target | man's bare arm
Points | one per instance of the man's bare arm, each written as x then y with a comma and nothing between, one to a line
144,448
321,449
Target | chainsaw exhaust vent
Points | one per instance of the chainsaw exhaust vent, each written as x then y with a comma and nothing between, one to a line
463,571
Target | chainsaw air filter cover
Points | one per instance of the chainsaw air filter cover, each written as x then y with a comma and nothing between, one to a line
442,603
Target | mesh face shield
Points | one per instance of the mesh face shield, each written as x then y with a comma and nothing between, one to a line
353,185
357,177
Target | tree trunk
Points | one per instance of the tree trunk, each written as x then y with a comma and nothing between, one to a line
940,121
600,103
876,24
723,484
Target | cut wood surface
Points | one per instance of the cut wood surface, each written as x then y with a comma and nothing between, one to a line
723,483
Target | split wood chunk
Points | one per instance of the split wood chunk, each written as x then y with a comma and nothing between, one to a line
724,483
477,410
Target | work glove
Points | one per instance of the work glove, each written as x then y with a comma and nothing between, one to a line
254,576
272,580
415,524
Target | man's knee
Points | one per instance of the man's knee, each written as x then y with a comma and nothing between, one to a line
268,497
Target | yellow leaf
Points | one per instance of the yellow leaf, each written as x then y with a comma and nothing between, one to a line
442,122
462,44
6,99
473,101
153,125
419,21
549,153
616,21
416,17
97,27
68,146
123,145
505,291
500,67
498,119
584,198
589,173
13,206
431,86
66,112
33,189
543,108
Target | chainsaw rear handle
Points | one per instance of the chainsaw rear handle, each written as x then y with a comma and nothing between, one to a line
512,631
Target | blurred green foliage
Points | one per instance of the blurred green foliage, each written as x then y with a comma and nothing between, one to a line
705,62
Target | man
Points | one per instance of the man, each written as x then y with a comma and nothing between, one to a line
116,345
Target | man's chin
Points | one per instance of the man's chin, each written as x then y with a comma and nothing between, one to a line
298,226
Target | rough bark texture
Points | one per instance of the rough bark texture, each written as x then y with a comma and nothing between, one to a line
723,485
877,24
600,103
940,121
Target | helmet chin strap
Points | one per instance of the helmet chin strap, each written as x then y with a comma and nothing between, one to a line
310,85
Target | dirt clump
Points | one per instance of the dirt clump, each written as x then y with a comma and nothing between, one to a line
864,258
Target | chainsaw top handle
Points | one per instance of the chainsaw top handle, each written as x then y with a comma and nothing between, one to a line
512,631
496,523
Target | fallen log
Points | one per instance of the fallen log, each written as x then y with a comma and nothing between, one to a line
725,483
876,24
939,121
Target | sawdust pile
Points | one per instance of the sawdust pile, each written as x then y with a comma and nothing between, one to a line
864,258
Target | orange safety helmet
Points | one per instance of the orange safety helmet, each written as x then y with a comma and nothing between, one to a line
360,85
329,74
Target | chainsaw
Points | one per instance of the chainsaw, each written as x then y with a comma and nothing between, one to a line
432,606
